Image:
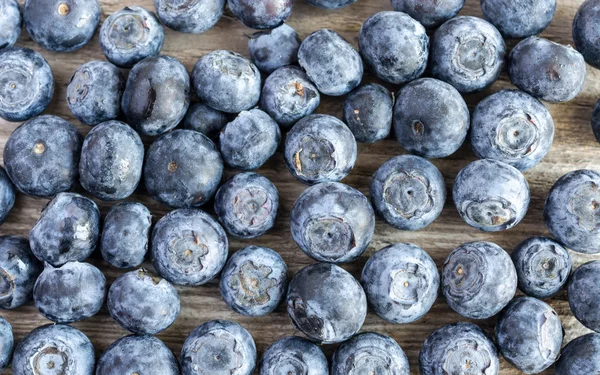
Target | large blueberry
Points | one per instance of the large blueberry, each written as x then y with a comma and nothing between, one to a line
586,32
205,120
519,19
11,22
584,294
293,355
580,356
264,14
330,4
272,49
596,120
19,270
7,195
368,112
7,344
189,16
370,353
431,13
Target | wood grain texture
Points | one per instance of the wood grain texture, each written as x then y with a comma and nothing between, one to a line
574,148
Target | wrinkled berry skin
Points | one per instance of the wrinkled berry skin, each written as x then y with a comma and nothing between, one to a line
247,205
18,271
67,230
370,353
519,19
478,279
188,247
326,303
431,13
265,14
468,53
368,112
547,70
330,62
218,347
542,265
130,35
7,195
584,294
143,303
596,121
205,120
430,133
190,16
586,32
320,148
57,25
70,293
183,169
26,86
7,344
249,140
294,355
11,23
137,355
383,41
330,4
580,356
513,127
491,195
459,348
272,49
226,81
112,157
125,234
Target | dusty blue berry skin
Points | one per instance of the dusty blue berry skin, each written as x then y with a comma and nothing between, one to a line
293,355
326,303
370,353
218,347
431,13
330,62
125,234
227,81
459,348
247,205
478,279
547,70
19,269
188,247
254,281
330,4
519,19
59,25
205,120
137,355
249,140
11,22
192,16
271,49
183,169
70,293
542,265
580,356
368,112
584,294
596,121
586,32
7,195
7,343
468,53
430,133
264,14
26,85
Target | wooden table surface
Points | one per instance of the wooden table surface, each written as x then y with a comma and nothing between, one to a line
574,148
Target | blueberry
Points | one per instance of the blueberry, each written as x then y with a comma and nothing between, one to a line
70,293
468,53
320,148
188,247
67,230
490,195
61,25
459,348
293,355
189,16
143,303
254,281
7,195
596,121
26,85
586,32
130,35
330,4
368,112
11,23
226,81
332,222
513,127
218,347
580,356
584,294
18,271
330,62
478,279
183,169
6,343
431,13
125,234
542,265
264,14
205,120
547,70
326,303
272,49
41,156
249,140
289,95
408,192
247,205
431,119
383,41
519,19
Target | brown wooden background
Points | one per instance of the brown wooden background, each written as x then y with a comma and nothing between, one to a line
574,148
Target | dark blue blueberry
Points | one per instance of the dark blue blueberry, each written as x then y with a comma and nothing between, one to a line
264,14
205,120
580,356
18,271
293,355
519,19
547,70
7,343
67,230
183,169
130,35
247,205
326,303
189,16
431,119
330,62
70,293
431,13
586,32
330,4
188,247
11,23
26,84
7,195
370,353
125,234
490,195
478,279
468,53
61,25
332,222
143,303
226,81
368,112
272,49
584,294
596,121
